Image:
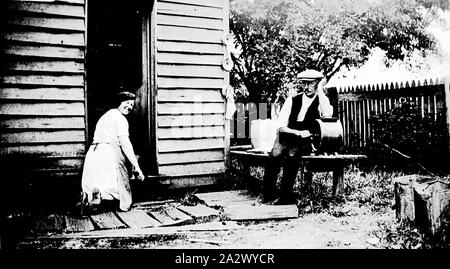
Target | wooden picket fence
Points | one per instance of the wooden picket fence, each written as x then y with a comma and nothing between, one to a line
357,104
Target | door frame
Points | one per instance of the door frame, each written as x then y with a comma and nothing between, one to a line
146,94
149,87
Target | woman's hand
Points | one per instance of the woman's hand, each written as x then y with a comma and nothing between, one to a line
140,175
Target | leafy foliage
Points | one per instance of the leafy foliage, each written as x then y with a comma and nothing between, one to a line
372,188
408,236
405,129
276,39
403,236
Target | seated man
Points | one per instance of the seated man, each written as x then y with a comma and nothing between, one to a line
295,121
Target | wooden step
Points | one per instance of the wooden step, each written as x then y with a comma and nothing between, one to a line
260,212
226,198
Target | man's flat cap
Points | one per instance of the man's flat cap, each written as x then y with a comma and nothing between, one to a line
310,74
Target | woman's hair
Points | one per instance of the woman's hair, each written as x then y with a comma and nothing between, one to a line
123,96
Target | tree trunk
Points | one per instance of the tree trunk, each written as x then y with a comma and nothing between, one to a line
404,198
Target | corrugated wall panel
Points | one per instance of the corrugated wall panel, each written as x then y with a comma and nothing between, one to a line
42,87
190,77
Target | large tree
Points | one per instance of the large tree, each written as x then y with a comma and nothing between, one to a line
276,39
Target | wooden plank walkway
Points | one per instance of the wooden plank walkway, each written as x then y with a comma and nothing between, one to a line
78,224
226,198
200,211
163,217
152,204
129,233
138,219
166,217
178,215
261,212
238,205
168,214
107,220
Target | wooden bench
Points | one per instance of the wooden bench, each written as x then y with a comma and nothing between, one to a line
312,163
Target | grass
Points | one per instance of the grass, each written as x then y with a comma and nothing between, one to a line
374,190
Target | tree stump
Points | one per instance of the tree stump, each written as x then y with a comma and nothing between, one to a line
432,201
404,198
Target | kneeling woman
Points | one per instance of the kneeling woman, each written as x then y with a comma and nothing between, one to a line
106,168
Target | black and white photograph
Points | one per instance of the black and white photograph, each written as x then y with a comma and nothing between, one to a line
245,126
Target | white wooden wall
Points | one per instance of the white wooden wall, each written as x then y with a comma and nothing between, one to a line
191,136
42,87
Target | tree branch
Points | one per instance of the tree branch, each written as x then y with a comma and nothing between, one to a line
336,68
321,58
239,68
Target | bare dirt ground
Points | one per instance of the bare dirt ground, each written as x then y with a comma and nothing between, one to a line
362,220
356,229
312,231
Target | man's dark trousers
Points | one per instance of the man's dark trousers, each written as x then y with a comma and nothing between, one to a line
286,153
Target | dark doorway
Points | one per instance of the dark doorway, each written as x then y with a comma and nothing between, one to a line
117,60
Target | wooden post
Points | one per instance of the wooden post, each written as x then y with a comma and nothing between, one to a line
447,106
306,177
338,180
152,88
